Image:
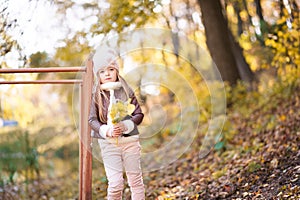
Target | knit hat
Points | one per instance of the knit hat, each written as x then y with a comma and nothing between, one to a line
105,57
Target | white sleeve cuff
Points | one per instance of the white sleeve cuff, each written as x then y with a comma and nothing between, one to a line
129,125
103,130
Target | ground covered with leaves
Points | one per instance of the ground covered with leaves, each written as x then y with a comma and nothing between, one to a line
259,160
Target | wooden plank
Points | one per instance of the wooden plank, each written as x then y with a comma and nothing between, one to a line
67,81
85,166
43,70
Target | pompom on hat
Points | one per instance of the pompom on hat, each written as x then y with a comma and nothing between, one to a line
105,57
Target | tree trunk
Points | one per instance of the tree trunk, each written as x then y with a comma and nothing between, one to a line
259,10
247,10
281,5
243,67
240,21
295,8
218,41
263,26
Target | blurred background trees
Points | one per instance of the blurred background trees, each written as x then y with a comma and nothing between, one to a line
254,42
7,42
235,30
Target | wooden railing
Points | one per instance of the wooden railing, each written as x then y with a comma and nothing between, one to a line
86,83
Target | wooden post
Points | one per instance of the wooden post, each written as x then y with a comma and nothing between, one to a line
85,154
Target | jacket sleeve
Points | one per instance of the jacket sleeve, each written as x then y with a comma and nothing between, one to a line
94,120
137,115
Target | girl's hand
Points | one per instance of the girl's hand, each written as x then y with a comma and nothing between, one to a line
118,129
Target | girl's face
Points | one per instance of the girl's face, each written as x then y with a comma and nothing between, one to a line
109,74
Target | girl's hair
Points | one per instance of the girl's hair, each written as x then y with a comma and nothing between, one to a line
99,94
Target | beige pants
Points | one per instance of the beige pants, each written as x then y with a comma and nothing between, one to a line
127,154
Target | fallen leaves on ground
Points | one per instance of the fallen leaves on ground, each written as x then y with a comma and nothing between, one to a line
262,164
262,161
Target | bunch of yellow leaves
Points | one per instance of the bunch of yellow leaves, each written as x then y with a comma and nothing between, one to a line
120,110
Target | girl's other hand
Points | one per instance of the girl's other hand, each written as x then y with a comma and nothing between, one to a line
118,129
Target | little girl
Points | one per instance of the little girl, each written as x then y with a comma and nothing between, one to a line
119,143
